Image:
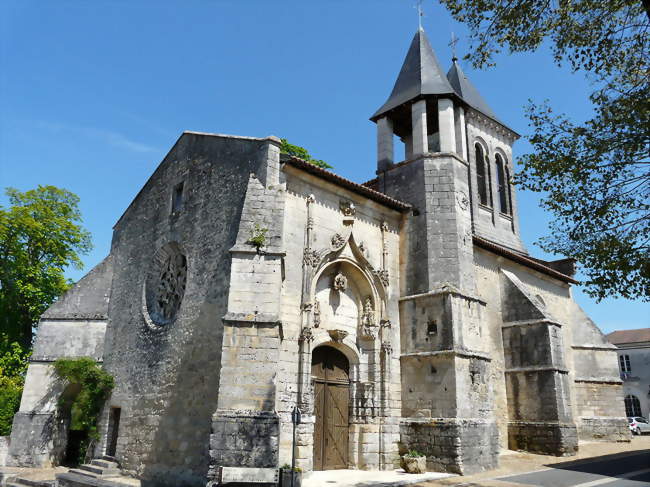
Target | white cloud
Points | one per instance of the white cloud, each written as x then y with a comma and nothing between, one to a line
110,137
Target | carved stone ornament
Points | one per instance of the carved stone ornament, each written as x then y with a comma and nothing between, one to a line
337,335
316,314
368,325
310,257
306,335
387,348
340,282
337,241
385,324
165,285
347,208
382,275
462,199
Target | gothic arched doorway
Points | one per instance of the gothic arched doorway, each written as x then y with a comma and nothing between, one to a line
330,372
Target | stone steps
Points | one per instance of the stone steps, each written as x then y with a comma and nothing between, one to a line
92,470
22,482
91,474
70,479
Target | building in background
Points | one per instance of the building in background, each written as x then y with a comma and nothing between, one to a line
634,365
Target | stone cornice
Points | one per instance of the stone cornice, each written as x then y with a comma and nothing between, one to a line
451,352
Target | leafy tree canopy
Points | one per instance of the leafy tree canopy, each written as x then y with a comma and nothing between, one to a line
301,153
40,235
595,174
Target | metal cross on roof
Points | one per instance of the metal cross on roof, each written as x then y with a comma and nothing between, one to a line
420,13
452,44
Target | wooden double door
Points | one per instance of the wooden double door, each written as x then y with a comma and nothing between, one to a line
331,375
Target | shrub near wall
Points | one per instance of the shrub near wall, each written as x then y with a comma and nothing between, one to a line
13,365
95,387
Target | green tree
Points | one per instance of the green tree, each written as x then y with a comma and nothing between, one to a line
40,235
302,153
595,174
13,365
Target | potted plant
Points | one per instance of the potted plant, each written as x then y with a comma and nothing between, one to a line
414,462
286,473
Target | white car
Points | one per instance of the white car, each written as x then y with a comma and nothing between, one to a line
638,425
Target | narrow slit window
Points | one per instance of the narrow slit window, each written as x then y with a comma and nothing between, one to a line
177,198
481,176
502,180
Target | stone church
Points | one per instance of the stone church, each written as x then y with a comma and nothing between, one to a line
402,313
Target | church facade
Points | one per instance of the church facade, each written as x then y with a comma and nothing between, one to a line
403,313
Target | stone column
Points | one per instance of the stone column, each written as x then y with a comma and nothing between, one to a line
446,125
419,120
385,152
461,135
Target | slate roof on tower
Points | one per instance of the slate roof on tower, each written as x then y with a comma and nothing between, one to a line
467,92
421,74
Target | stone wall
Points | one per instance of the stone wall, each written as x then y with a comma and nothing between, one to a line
4,449
453,445
167,375
489,222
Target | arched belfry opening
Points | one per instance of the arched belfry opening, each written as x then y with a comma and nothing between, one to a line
330,372
419,110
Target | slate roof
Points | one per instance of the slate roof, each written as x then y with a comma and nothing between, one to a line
421,74
629,336
466,90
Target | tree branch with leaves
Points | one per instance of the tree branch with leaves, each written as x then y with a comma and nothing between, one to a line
595,175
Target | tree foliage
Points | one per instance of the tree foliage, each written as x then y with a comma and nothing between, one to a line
95,386
13,366
40,235
595,174
302,153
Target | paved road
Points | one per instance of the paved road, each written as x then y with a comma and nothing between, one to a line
625,470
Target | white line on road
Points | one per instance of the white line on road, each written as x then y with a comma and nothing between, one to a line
628,475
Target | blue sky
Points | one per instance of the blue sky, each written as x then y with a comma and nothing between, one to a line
93,94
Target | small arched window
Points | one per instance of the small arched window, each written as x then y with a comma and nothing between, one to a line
482,176
632,406
503,179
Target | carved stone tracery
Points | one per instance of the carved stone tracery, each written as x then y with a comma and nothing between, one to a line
165,285
310,257
337,241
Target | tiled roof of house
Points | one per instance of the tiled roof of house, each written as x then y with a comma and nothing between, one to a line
629,336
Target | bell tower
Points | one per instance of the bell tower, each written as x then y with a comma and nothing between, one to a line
419,110
446,363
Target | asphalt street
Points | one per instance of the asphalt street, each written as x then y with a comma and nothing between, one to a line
623,470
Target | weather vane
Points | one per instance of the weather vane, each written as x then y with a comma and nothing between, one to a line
420,13
452,44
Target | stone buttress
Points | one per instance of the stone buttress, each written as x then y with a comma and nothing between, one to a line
245,426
